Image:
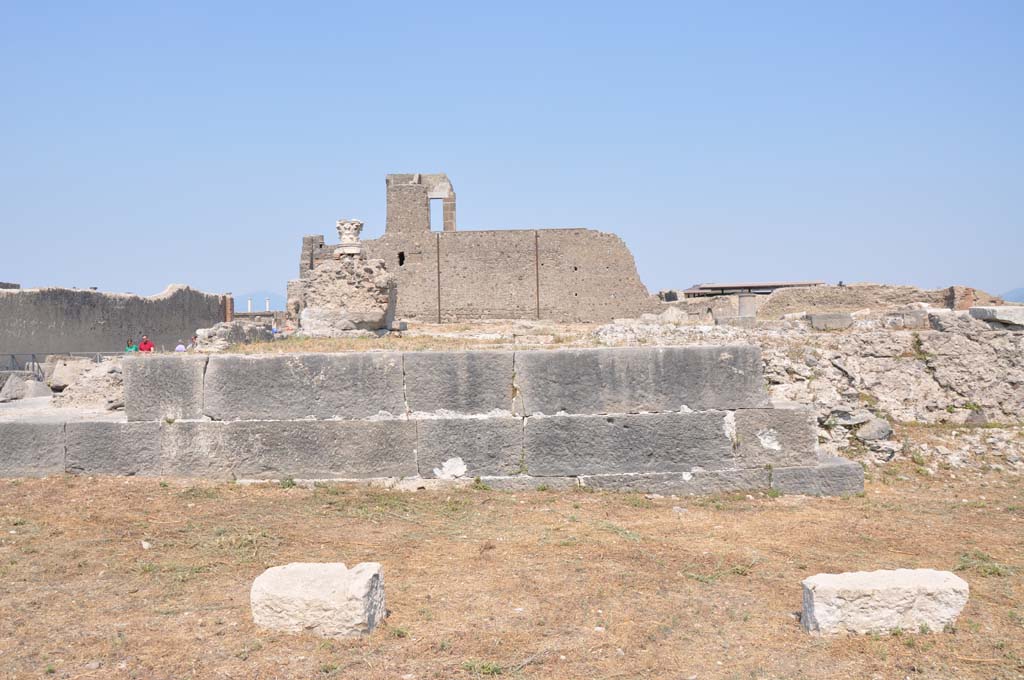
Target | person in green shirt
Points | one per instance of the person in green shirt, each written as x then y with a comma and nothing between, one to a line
130,346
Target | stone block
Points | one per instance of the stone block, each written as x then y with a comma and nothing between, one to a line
737,321
1009,314
830,321
488,446
459,382
102,448
163,386
832,476
323,598
780,437
682,483
909,600
307,449
631,380
590,445
293,386
31,449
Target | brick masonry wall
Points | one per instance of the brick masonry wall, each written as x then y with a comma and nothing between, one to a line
583,275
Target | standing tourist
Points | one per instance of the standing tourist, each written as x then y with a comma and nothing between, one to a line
146,345
130,346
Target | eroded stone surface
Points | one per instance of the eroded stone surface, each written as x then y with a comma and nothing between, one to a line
909,600
323,598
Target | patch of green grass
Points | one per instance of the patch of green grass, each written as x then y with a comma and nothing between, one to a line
481,668
399,632
248,648
479,485
620,531
773,493
197,492
638,501
709,577
917,348
287,483
981,563
868,399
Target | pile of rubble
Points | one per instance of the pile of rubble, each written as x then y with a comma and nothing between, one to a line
915,365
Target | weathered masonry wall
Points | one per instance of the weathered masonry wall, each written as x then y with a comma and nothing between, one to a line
54,320
680,420
554,274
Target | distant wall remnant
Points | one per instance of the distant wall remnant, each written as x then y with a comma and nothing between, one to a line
55,320
445,276
857,296
9,286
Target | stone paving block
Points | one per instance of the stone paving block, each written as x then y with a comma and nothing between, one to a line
308,449
830,321
780,437
908,600
31,449
323,598
488,446
682,483
294,386
1008,314
665,442
832,476
631,379
161,386
99,448
460,382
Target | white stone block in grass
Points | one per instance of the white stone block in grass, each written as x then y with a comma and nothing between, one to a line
323,598
910,600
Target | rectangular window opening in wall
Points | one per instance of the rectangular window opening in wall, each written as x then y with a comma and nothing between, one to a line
436,214
401,259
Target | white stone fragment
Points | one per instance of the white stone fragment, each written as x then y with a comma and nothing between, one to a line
1012,314
769,439
453,468
911,600
324,598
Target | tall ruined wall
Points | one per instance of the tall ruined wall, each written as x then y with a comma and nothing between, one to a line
588,275
553,274
55,320
488,274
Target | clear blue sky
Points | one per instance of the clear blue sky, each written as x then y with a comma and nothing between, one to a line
197,142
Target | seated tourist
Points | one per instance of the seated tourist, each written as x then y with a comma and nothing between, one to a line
146,345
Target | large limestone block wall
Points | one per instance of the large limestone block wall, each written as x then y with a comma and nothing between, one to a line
554,274
55,320
680,420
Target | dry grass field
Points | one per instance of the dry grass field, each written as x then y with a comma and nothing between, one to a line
481,583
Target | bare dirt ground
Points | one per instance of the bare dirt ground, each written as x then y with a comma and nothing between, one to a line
480,583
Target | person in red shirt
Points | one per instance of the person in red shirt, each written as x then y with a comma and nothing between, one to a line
146,345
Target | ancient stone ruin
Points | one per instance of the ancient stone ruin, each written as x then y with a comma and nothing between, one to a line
686,420
345,292
53,320
450,275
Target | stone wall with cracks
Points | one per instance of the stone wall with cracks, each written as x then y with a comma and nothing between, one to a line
685,420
